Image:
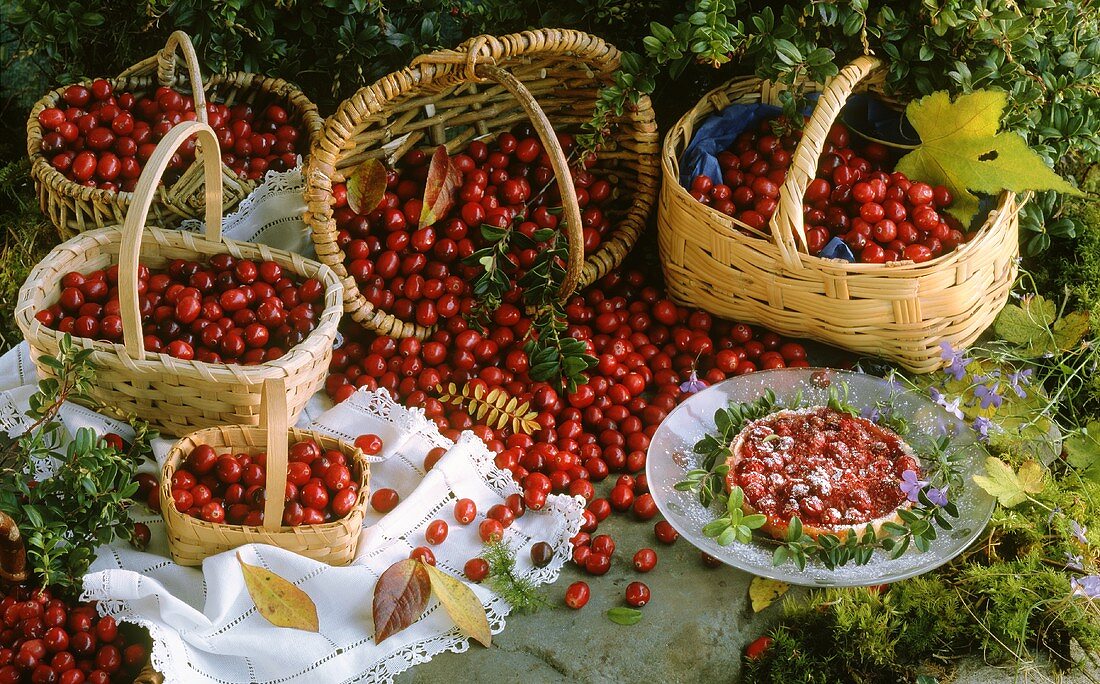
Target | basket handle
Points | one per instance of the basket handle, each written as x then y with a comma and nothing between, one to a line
572,210
136,215
166,69
787,222
273,420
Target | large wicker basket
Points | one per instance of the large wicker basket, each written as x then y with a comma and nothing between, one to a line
191,540
901,310
74,208
485,86
174,395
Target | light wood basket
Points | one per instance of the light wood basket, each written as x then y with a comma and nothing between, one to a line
900,311
74,208
191,540
550,77
174,395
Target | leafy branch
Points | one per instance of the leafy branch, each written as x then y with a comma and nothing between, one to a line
708,480
64,518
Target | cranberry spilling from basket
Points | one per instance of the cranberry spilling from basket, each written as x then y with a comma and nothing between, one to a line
418,274
321,486
46,639
646,346
881,216
226,311
102,139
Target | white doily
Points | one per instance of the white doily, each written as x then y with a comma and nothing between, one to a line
271,214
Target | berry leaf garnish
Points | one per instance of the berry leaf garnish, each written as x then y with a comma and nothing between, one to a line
439,189
763,592
277,600
462,605
962,149
624,616
366,186
1011,489
400,597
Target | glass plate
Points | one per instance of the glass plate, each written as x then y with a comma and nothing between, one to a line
670,456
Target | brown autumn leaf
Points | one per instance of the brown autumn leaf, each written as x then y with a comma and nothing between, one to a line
366,186
439,189
462,605
277,600
400,597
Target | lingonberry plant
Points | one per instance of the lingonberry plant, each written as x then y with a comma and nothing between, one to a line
67,515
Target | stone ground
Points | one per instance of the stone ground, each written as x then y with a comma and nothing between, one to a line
694,629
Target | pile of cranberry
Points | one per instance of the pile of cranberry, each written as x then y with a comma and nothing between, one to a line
320,484
45,640
881,216
102,139
417,274
228,310
651,354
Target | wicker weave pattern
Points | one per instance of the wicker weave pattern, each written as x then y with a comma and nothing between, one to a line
901,311
174,395
191,540
443,98
74,208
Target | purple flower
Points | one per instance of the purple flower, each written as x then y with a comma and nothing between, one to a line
693,384
988,395
957,363
982,426
1074,562
1078,531
1089,587
951,406
937,496
871,413
911,486
1017,379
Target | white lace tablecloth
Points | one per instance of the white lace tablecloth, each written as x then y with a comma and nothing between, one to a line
204,624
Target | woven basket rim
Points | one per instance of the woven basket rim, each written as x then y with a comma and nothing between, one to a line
175,457
54,263
432,73
670,162
312,122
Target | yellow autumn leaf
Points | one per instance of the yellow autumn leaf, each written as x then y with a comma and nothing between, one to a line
1011,489
491,398
462,605
277,600
763,592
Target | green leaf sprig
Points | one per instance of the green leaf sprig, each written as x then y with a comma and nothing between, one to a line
64,518
520,592
708,480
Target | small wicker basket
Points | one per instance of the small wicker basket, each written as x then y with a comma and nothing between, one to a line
549,77
174,395
191,540
901,310
74,208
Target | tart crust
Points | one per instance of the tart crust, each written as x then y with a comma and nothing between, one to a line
776,526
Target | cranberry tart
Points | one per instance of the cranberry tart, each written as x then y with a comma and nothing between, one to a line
835,471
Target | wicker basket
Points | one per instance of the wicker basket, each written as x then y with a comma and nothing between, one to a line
191,540
901,310
74,208
488,84
174,395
